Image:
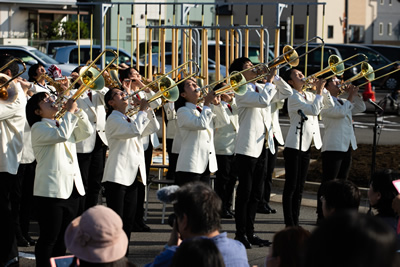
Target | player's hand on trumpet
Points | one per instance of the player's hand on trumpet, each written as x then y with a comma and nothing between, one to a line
209,98
319,85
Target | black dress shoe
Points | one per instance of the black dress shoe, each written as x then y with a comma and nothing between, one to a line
263,210
231,213
226,215
243,239
22,242
31,241
140,226
255,240
270,209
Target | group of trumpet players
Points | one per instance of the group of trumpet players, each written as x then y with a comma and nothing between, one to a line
231,135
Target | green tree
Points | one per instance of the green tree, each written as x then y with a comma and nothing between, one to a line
70,32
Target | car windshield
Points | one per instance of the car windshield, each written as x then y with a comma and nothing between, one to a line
44,57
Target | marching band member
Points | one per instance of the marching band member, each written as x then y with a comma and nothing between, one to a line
38,81
12,122
170,113
132,82
126,156
251,152
58,184
224,142
92,151
339,138
196,133
297,161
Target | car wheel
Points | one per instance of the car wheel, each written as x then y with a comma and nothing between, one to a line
391,83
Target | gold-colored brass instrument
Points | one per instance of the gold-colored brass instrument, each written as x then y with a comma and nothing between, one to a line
352,66
335,64
384,75
111,78
168,89
52,82
114,75
8,90
366,71
91,79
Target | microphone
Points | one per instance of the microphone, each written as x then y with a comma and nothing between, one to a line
375,104
167,194
302,115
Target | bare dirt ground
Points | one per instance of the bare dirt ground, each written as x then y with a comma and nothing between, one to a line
386,157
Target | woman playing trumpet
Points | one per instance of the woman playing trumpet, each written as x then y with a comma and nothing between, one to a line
125,170
339,138
195,133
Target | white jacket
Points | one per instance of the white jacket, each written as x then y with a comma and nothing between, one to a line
57,167
12,123
126,155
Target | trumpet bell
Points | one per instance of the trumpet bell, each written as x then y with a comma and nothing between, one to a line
88,75
367,71
336,64
173,93
9,93
238,82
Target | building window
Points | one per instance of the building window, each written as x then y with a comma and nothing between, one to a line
382,2
356,34
390,2
380,28
330,31
389,29
299,31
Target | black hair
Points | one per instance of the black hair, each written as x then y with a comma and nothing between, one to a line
286,76
218,86
341,195
123,74
107,97
237,64
381,182
351,239
77,70
13,67
123,262
197,252
201,205
32,71
33,105
181,101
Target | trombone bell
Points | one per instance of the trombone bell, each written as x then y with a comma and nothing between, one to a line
172,94
336,65
367,71
238,83
88,75
8,93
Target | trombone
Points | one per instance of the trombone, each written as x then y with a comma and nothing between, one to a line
384,75
91,79
352,66
8,91
168,89
366,71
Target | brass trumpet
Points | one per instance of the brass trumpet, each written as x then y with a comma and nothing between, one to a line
91,79
8,90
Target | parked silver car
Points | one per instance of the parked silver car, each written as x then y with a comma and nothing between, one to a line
30,56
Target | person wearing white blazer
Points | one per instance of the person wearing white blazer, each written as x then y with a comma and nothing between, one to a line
12,121
132,82
91,151
126,155
251,149
339,138
297,159
170,114
224,142
284,91
58,184
196,130
38,81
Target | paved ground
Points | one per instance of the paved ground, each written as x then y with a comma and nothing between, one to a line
145,246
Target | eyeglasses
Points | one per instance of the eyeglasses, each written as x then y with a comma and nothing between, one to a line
119,93
49,99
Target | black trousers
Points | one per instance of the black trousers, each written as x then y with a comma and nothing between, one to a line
8,243
182,178
92,169
225,181
172,159
54,216
22,200
296,168
123,200
335,165
268,175
250,172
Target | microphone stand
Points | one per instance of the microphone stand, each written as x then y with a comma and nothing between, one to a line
375,130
